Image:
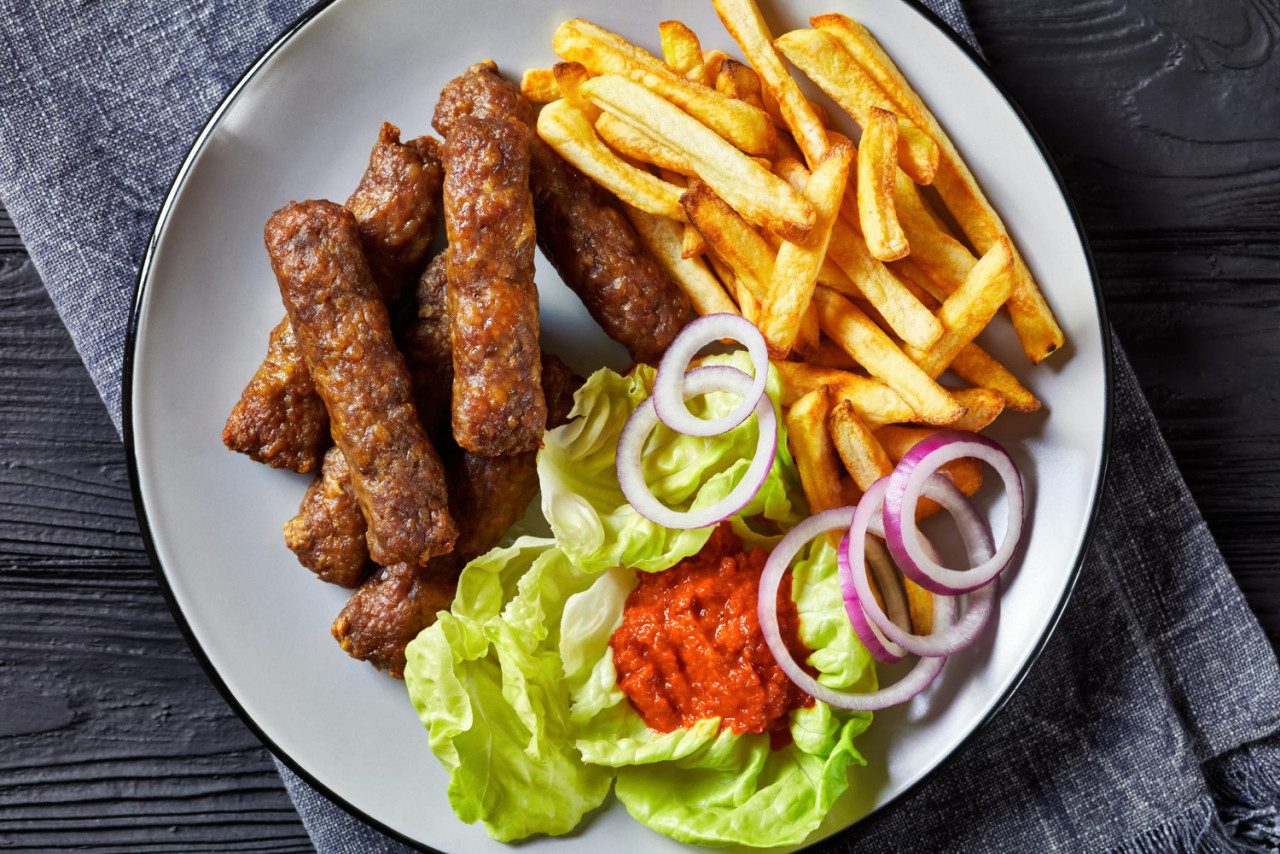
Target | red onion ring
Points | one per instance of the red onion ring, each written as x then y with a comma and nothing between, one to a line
645,419
906,486
861,603
668,386
926,669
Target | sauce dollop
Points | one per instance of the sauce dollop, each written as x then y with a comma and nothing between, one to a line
690,645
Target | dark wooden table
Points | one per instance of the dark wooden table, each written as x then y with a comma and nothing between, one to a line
1164,117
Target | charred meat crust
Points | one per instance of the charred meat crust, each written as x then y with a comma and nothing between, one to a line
498,407
344,333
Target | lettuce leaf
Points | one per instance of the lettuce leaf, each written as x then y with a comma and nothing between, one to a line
703,786
486,681
581,498
516,683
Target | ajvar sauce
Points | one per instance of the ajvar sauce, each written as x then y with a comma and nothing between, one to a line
690,645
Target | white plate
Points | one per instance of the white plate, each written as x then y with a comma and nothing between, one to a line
300,125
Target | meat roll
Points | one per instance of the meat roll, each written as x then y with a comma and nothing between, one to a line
279,419
581,227
498,407
344,333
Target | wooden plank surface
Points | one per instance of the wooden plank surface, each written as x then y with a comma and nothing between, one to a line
1162,117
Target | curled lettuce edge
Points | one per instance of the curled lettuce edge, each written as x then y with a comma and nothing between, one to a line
516,686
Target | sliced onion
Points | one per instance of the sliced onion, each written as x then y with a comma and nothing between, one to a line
906,486
668,387
862,604
880,647
641,423
925,671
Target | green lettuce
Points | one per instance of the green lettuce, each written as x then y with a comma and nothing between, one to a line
581,498
485,679
710,787
516,684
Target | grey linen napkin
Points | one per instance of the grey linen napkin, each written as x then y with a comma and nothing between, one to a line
1150,721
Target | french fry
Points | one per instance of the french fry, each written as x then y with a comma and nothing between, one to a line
711,61
982,406
861,454
569,76
748,305
965,473
967,311
877,168
797,265
606,53
566,129
1036,326
693,244
944,259
771,107
664,240
828,354
539,85
920,604
638,145
911,321
814,454
974,365
809,333
823,61
849,492
876,352
752,190
739,82
680,47
875,402
744,22
732,239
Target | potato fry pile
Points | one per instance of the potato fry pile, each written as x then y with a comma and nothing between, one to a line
755,204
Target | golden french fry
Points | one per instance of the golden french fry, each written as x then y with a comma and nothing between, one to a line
1037,328
748,305
920,604
809,333
569,76
945,260
564,127
796,267
750,189
965,473
739,82
828,354
744,22
967,311
849,492
870,278
824,62
974,365
711,61
862,455
602,52
680,47
876,352
875,402
814,454
739,245
877,169
539,85
982,406
638,145
663,238
693,243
